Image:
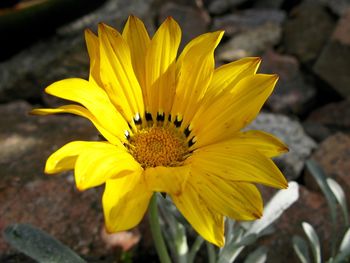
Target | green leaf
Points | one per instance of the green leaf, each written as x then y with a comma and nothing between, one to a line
314,241
230,251
175,234
344,249
257,256
39,245
195,248
340,196
211,253
345,243
281,201
301,249
321,180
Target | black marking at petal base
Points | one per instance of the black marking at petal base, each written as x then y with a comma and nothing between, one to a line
137,119
177,123
160,117
130,127
148,116
169,118
187,131
163,195
191,142
127,134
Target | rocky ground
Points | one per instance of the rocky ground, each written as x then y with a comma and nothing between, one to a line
306,42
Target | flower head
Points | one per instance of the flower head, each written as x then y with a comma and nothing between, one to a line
171,124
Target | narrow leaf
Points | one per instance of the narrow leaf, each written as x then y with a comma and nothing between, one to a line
257,256
340,196
345,243
344,249
232,250
195,248
281,201
321,180
314,241
39,245
301,249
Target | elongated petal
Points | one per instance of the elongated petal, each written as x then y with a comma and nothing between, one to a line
263,142
170,180
125,201
238,164
83,112
229,75
138,40
94,99
117,73
208,223
160,67
93,47
101,162
194,72
94,162
240,201
64,158
233,109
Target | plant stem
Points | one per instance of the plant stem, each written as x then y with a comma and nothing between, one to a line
156,231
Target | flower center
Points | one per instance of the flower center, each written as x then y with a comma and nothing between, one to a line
158,146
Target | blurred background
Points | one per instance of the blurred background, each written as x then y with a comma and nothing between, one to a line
306,42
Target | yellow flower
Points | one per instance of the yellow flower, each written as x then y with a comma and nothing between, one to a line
171,124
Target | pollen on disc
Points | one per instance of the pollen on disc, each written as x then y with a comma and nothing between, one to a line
158,146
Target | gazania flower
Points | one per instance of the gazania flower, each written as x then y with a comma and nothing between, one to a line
172,124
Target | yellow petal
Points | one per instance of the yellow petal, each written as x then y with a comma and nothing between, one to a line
125,201
93,48
232,110
138,40
94,99
237,200
100,162
170,180
194,72
64,158
239,164
117,73
263,142
160,67
208,223
230,74
81,111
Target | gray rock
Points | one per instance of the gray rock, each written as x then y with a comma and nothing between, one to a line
25,75
334,62
247,20
26,141
250,43
335,116
276,4
316,131
292,133
333,156
337,6
291,94
192,20
217,7
307,31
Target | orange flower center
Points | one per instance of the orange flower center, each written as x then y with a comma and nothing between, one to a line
158,146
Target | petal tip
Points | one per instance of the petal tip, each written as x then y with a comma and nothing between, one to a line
275,77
